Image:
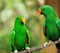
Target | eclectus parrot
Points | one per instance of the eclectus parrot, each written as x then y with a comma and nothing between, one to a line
51,27
20,36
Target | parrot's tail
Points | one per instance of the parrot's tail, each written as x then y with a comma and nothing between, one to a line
58,46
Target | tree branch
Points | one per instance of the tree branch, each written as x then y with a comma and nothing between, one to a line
39,47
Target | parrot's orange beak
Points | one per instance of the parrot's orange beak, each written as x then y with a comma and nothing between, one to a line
39,12
23,20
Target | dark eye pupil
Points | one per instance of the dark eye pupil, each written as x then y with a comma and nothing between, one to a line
43,9
17,18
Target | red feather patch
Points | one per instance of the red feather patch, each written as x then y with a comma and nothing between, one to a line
45,28
26,39
15,43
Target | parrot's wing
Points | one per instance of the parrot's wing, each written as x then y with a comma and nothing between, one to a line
27,38
58,24
44,28
12,36
45,31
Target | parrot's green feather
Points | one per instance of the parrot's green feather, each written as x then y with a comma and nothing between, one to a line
52,24
21,35
50,20
12,35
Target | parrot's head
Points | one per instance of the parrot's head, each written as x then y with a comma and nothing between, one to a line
19,20
46,10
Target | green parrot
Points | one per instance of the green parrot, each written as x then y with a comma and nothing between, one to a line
51,27
20,36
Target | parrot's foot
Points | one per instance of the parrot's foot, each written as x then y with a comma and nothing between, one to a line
45,44
28,49
15,51
58,46
59,39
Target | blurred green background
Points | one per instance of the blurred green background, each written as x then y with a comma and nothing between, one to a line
9,9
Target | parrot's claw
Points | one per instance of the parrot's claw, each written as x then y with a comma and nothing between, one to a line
59,39
45,44
28,49
15,51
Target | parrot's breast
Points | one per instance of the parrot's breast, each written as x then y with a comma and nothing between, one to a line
53,32
20,39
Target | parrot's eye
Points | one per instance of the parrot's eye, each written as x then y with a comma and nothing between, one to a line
44,9
17,18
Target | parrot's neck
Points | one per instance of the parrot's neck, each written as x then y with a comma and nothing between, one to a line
19,27
51,19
